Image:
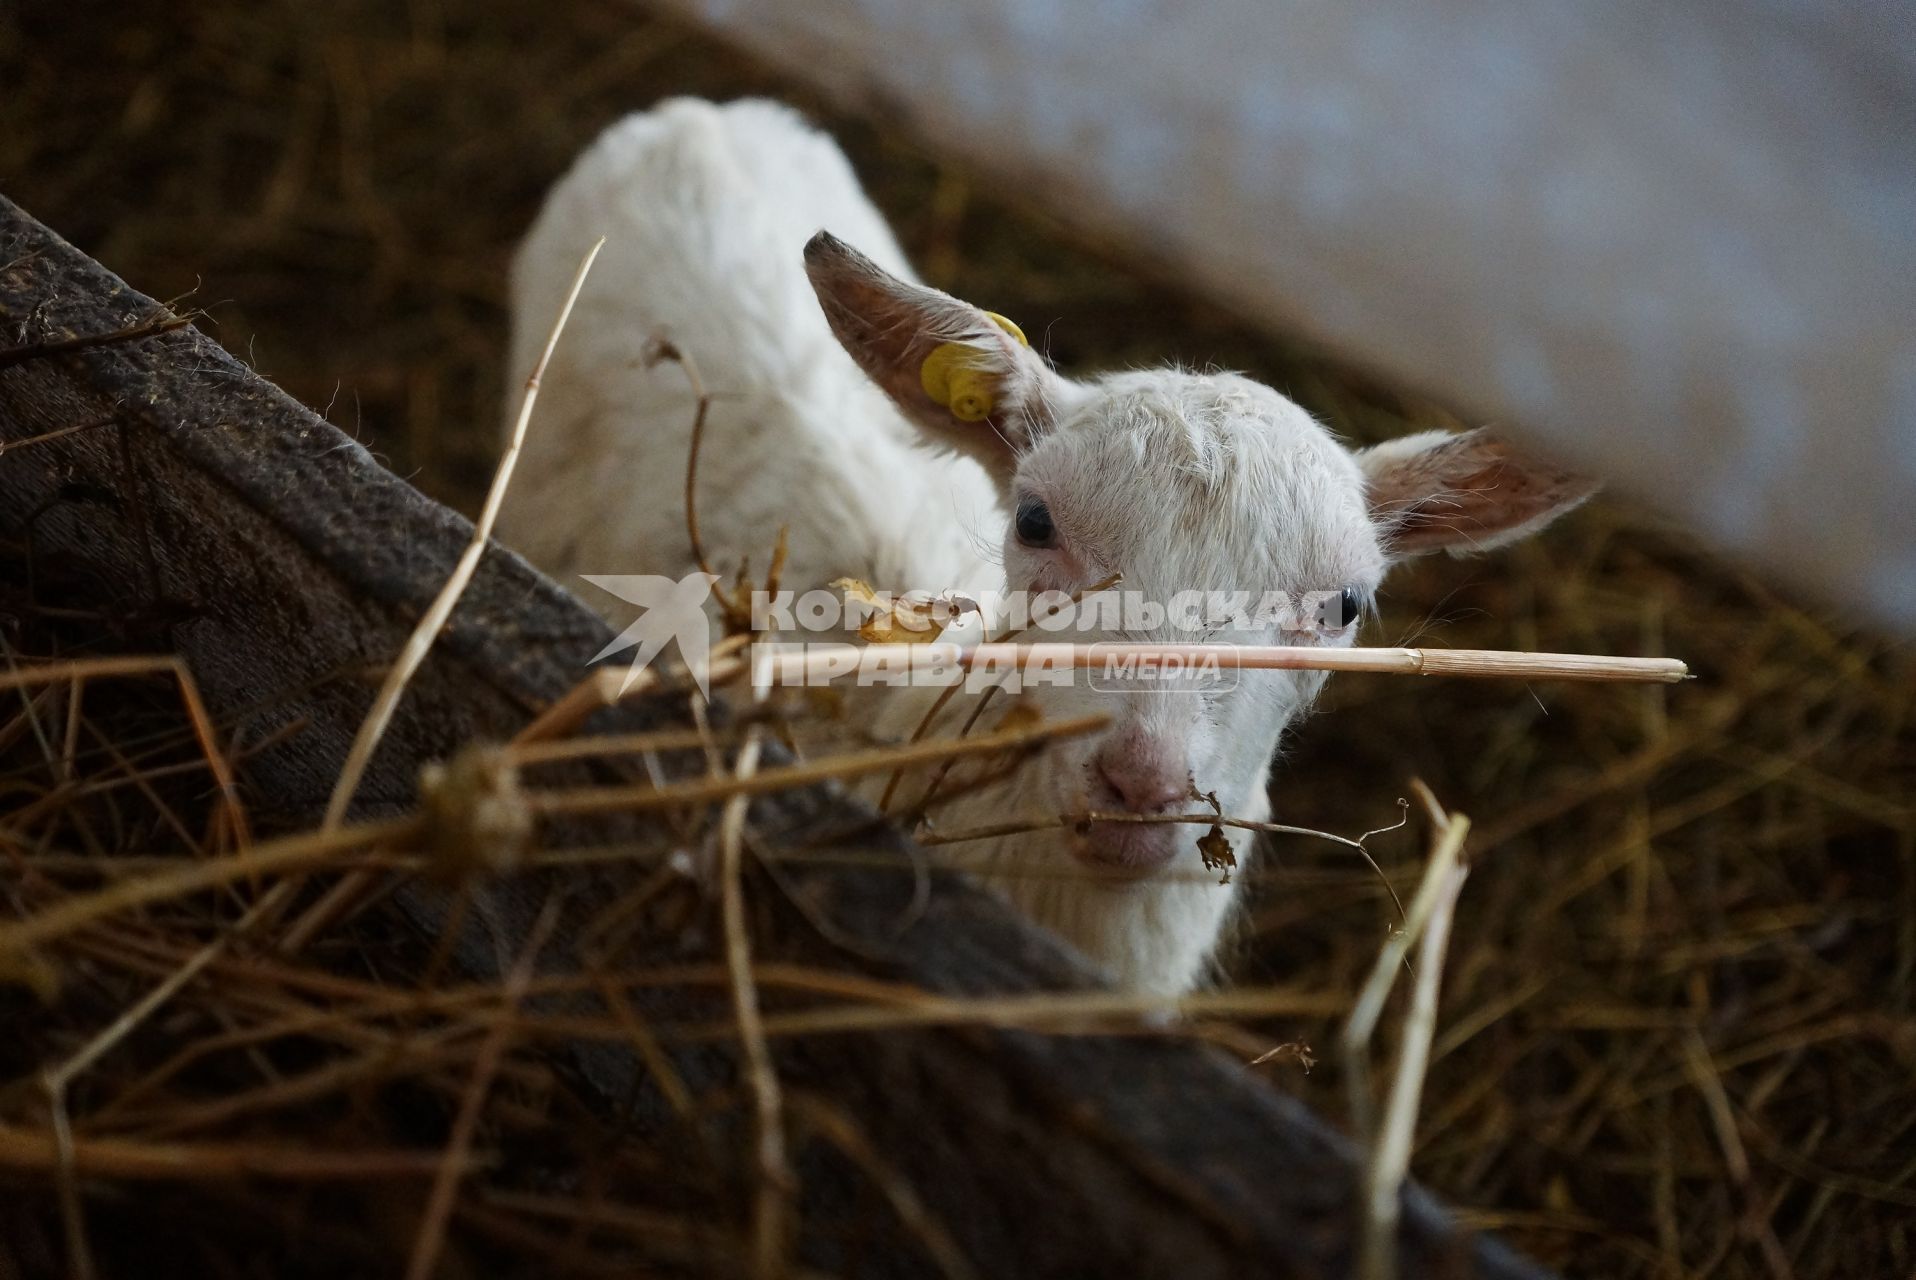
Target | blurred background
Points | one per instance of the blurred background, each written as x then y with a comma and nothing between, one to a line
1677,1036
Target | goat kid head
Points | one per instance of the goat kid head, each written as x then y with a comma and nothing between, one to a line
1180,482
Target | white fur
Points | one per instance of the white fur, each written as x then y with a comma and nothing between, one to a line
706,211
1179,480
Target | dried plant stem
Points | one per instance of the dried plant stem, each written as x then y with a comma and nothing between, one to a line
423,635
933,837
22,677
230,823
340,898
445,1186
11,356
7,446
277,856
56,1079
696,1242
1088,1012
931,714
1387,1150
663,350
67,1173
856,764
1389,1164
609,686
1756,1225
610,744
1055,1011
818,660
930,838
206,1161
602,688
842,1132
738,614
775,1181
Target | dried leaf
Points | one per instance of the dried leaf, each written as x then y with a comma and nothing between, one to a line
917,617
1215,848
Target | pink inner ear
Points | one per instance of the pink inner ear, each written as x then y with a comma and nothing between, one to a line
1464,493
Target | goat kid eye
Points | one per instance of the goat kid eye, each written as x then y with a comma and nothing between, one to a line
1033,525
1349,605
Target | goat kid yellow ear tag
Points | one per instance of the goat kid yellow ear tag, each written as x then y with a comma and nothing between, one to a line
951,379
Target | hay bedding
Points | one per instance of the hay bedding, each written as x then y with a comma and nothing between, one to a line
1677,1034
383,1050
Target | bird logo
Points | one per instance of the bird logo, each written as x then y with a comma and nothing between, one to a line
674,611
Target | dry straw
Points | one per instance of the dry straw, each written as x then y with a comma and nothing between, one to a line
71,923
820,661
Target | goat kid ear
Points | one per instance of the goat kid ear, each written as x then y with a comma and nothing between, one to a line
964,375
1462,492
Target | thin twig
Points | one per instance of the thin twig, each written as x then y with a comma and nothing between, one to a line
343,894
855,764
1058,1012
610,686
56,1079
984,699
929,837
1388,1150
737,614
775,1182
813,661
1389,1163
290,852
8,446
1053,822
660,349
206,1161
445,1186
841,1131
86,342
423,635
230,822
67,1173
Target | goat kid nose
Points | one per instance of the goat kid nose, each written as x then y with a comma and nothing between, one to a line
1144,780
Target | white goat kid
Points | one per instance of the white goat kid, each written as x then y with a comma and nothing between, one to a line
815,354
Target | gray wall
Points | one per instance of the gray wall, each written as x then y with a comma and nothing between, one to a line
1674,243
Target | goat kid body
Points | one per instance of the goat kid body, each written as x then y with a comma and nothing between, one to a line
706,211
818,423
